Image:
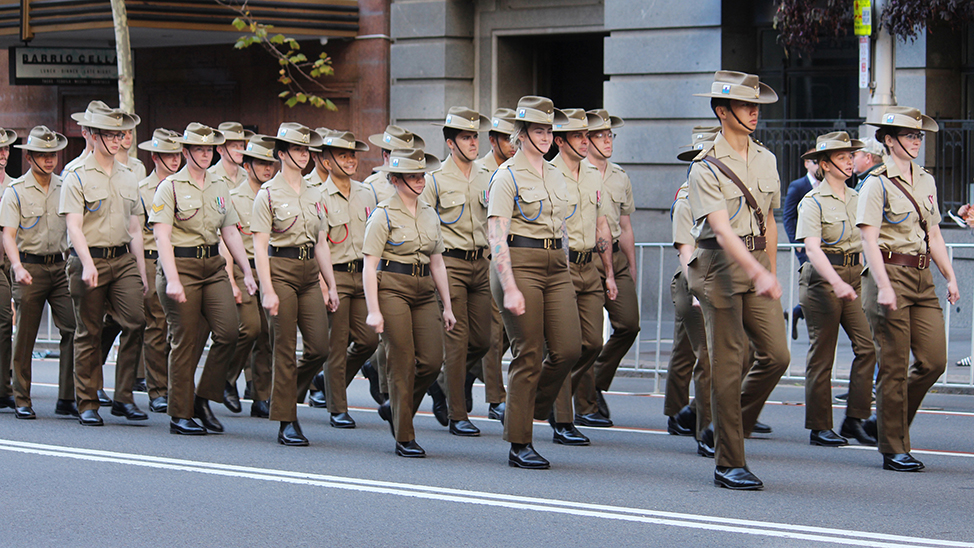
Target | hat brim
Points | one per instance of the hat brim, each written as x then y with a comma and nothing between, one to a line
766,96
376,140
10,136
129,121
258,156
927,124
483,125
558,118
219,140
687,155
147,146
358,147
853,145
62,143
432,164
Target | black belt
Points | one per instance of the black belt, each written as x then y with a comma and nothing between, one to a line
615,246
474,255
304,253
197,252
840,259
151,254
352,267
538,243
403,268
921,261
752,243
579,257
30,258
105,252
253,265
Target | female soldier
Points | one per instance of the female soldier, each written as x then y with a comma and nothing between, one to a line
289,215
188,209
900,226
530,280
403,240
829,293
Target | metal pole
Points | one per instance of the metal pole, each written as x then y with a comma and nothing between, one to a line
659,317
883,88
639,298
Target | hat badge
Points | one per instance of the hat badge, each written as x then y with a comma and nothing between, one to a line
328,141
725,89
30,139
387,138
821,146
890,118
495,122
155,143
204,138
282,132
3,137
521,113
250,147
395,162
305,138
449,118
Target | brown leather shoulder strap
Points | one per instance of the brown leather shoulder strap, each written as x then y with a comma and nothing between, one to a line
900,184
748,197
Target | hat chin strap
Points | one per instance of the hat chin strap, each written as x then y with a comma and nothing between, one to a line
37,165
734,114
914,157
288,152
335,161
597,149
580,157
456,149
104,144
842,171
528,135
193,158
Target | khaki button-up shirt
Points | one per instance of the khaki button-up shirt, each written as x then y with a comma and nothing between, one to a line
882,204
535,204
822,214
461,204
219,172
147,193
314,178
617,189
136,167
243,198
584,203
107,202
394,234
489,162
34,211
380,185
711,190
682,218
195,213
293,219
346,219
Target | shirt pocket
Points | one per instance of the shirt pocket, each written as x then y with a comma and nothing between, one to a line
187,207
30,213
834,227
898,209
530,201
285,216
451,203
95,194
403,237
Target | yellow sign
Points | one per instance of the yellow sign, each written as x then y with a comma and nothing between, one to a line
863,14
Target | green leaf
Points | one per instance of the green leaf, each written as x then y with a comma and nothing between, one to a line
284,94
284,80
330,106
282,62
316,101
299,58
293,44
241,43
239,24
301,97
277,39
291,102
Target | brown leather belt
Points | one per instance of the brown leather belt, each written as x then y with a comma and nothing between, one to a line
404,268
304,253
840,259
538,243
466,255
921,261
196,252
30,258
352,267
752,243
579,257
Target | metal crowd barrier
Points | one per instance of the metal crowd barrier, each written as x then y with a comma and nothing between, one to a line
649,355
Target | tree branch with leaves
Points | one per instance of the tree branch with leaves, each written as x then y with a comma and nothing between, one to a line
300,75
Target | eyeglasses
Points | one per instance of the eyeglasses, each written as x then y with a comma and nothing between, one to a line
602,136
113,136
918,136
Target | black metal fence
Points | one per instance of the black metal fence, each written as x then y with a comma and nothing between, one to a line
951,158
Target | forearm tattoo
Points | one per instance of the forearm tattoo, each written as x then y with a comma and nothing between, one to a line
497,230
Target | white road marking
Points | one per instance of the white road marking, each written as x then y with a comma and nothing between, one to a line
463,496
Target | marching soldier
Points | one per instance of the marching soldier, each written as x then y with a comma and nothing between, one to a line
7,138
107,266
457,191
35,239
166,154
188,210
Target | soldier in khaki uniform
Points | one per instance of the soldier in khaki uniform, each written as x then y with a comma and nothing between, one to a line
166,153
348,204
35,239
7,138
899,297
392,138
732,271
188,210
501,150
530,279
623,311
254,339
829,293
457,190
403,241
107,266
589,240
689,357
290,216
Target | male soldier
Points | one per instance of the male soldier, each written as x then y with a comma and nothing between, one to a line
732,271
166,154
348,204
35,239
689,357
590,405
230,169
107,265
588,236
253,343
499,136
458,193
392,138
7,138
123,157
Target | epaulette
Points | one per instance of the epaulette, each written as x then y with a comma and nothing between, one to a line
616,166
267,184
704,152
759,143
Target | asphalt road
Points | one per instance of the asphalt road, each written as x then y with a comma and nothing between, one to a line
134,484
